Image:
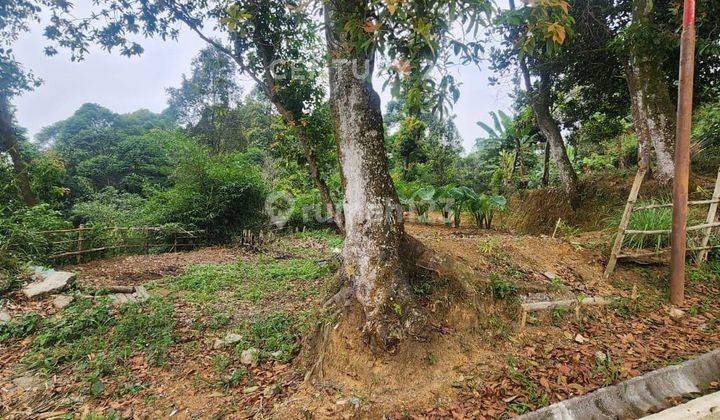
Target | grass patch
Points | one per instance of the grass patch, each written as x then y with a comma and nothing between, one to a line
95,338
250,281
501,288
653,219
331,239
277,332
20,328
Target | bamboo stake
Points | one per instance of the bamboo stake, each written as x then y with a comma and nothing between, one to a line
625,221
711,217
681,181
79,245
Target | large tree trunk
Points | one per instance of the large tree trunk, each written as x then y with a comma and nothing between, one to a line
374,233
652,109
9,143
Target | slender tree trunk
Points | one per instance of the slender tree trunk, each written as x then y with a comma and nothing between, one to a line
653,113
305,142
546,166
541,106
9,143
374,232
540,102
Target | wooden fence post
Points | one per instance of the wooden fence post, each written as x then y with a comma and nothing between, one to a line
146,235
712,215
78,258
625,221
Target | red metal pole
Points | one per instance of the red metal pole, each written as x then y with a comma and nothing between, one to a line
682,155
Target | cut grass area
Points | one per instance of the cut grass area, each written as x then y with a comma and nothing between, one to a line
250,281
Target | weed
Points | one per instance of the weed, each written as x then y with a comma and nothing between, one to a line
397,309
90,328
500,288
609,369
236,378
129,388
21,328
567,230
530,391
277,332
422,285
488,245
221,362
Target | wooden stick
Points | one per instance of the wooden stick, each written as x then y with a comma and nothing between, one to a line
566,303
557,225
666,231
711,217
625,221
79,245
669,205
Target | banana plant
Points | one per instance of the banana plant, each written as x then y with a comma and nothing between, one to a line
446,202
462,196
483,208
423,201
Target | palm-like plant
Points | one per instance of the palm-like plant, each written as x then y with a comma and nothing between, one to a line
483,208
512,135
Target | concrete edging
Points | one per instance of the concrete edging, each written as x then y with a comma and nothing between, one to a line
637,397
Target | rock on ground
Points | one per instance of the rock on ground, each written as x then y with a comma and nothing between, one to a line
62,301
4,317
48,282
229,339
29,382
250,356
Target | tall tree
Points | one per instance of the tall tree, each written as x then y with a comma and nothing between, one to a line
652,109
375,263
14,17
533,36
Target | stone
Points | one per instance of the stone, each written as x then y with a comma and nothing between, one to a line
229,339
676,313
271,390
48,282
550,275
4,317
580,339
276,354
250,356
62,301
142,293
29,383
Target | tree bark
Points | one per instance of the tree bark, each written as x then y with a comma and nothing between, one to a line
8,140
374,232
546,166
652,109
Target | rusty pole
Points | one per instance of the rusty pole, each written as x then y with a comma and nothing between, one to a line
682,155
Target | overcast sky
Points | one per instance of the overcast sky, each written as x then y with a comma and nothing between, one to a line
126,84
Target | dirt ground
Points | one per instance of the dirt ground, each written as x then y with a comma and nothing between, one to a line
474,362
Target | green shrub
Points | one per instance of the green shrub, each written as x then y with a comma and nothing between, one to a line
276,332
21,235
219,194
